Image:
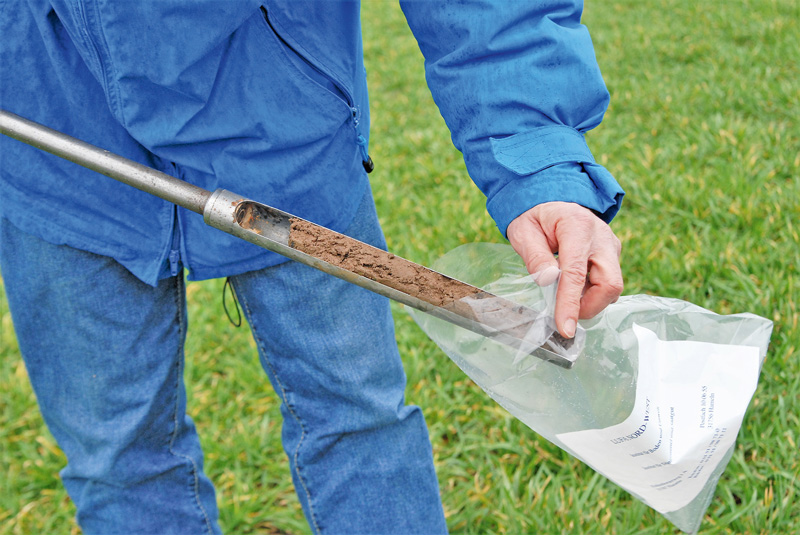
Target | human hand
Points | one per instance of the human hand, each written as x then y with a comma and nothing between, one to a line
588,257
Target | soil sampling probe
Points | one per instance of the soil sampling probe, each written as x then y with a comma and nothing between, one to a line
316,246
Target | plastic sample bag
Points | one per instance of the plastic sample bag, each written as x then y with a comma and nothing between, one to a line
655,400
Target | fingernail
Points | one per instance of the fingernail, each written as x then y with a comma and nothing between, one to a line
546,276
569,328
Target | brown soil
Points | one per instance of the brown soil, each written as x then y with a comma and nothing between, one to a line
376,264
400,274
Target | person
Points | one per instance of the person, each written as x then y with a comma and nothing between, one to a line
269,99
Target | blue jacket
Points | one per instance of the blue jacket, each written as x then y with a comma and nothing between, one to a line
270,101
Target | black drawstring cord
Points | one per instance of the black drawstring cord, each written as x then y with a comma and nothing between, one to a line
238,322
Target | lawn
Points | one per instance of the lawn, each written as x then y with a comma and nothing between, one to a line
703,134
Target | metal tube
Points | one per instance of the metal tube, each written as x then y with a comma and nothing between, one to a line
122,169
273,232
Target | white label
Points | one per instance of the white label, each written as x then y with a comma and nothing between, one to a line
690,401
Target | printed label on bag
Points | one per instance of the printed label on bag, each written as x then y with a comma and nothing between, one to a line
690,401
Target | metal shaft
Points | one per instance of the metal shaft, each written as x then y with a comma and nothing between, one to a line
132,173
505,321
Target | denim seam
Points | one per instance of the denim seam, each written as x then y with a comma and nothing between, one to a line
262,346
196,485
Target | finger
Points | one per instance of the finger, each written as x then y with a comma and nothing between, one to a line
568,297
605,285
530,242
574,262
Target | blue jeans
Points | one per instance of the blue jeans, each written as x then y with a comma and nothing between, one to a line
104,353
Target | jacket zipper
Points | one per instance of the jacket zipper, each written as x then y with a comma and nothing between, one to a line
347,98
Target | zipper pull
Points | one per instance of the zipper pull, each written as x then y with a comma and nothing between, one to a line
175,247
174,261
366,161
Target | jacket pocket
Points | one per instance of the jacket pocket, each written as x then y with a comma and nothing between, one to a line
321,77
307,68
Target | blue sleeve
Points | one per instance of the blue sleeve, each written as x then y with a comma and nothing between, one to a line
518,85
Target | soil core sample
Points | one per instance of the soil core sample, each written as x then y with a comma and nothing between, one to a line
377,264
464,304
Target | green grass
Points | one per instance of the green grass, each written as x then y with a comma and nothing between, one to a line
703,134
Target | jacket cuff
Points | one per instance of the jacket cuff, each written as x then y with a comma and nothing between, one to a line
547,164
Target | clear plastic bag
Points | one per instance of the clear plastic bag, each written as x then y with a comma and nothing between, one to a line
682,403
